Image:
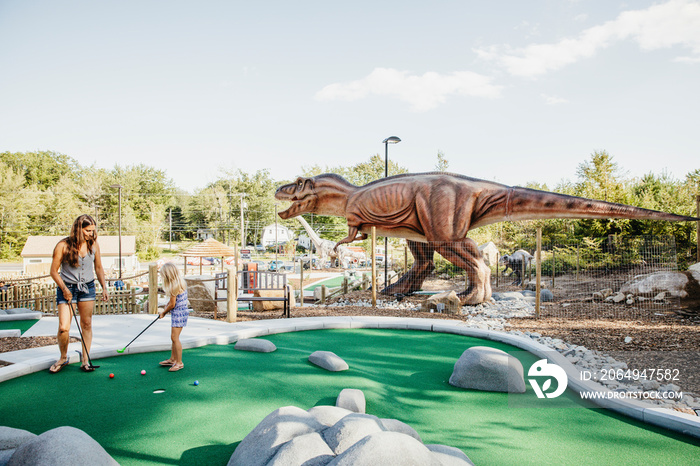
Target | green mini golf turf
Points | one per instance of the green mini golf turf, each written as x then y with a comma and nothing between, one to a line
22,325
329,282
403,375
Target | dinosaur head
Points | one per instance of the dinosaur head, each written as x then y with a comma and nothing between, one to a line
325,194
302,195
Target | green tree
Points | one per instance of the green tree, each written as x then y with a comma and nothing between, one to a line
442,163
41,169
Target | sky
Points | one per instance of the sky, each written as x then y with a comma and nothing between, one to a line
509,91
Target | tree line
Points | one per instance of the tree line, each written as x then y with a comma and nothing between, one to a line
41,193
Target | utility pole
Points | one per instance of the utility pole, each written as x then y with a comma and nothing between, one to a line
171,229
242,223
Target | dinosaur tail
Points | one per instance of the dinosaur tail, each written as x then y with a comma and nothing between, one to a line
531,204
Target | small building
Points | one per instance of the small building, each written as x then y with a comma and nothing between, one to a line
38,253
304,241
269,238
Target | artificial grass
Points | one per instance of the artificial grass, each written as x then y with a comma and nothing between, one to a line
329,282
22,325
403,375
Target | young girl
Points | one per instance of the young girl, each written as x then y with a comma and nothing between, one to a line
176,288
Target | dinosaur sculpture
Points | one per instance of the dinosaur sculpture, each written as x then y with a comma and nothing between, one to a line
515,262
434,212
324,247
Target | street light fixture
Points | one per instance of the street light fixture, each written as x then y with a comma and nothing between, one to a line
119,187
387,141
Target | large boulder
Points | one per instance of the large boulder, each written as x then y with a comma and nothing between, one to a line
272,305
201,292
62,445
490,253
651,284
447,302
488,369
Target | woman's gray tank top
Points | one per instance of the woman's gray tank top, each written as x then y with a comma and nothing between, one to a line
81,275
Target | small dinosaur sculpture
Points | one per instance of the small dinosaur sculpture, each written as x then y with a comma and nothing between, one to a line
434,212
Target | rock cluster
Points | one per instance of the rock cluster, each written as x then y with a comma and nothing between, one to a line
330,435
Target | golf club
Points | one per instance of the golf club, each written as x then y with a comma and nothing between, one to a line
91,366
149,325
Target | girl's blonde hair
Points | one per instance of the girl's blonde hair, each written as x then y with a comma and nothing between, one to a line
173,283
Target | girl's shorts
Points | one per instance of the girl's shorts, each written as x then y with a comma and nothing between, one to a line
78,296
179,318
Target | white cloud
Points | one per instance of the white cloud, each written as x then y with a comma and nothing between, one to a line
421,92
554,100
674,23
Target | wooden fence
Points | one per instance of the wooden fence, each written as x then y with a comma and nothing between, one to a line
42,297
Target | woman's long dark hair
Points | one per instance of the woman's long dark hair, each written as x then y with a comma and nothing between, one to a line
76,238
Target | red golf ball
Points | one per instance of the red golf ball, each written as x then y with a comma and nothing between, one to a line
143,372
111,376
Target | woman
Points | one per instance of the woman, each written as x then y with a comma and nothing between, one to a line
76,262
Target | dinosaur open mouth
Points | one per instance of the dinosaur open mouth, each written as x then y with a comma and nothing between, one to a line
298,207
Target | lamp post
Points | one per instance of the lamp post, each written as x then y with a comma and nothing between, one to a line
243,205
276,244
387,141
119,187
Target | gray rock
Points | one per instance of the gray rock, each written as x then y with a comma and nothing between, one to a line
328,360
654,283
507,296
255,344
386,448
328,415
309,450
352,399
349,430
62,445
546,296
488,369
449,456
278,427
394,425
11,438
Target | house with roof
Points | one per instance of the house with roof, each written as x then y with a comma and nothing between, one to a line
38,253
281,236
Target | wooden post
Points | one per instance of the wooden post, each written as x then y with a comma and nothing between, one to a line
301,281
538,272
153,289
323,294
498,261
231,295
405,258
345,285
578,259
374,266
184,270
697,214
554,266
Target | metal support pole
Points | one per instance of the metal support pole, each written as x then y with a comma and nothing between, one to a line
697,214
538,272
374,267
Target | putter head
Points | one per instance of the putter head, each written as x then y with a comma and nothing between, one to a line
121,350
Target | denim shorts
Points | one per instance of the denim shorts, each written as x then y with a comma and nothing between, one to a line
78,296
